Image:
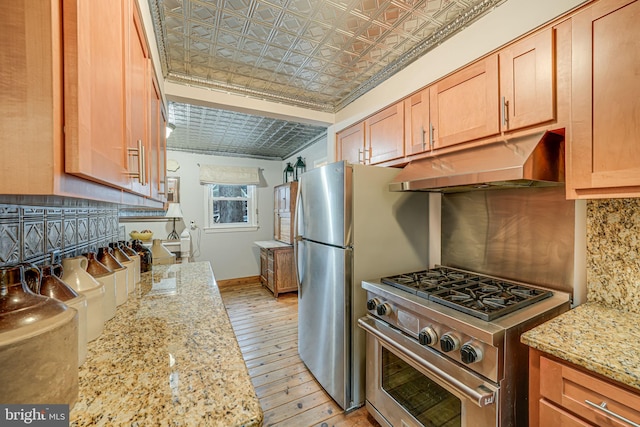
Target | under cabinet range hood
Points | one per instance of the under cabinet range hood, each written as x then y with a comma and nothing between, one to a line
535,160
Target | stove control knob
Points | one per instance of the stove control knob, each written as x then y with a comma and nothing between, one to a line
470,353
373,303
384,309
428,336
449,342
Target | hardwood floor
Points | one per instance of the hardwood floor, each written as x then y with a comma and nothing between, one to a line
267,331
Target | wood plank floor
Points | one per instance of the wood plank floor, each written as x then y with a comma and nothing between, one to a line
267,331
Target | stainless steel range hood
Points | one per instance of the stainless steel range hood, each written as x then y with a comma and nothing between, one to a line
530,161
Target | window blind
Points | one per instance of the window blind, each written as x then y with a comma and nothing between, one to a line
229,175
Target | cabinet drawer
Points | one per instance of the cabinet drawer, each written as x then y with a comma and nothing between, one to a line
573,389
551,415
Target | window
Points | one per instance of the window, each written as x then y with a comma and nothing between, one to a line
231,207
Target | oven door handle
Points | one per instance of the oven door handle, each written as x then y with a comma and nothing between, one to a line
481,395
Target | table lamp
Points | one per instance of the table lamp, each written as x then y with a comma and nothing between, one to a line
174,212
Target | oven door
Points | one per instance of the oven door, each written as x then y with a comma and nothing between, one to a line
409,385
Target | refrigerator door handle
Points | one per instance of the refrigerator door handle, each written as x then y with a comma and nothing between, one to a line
297,238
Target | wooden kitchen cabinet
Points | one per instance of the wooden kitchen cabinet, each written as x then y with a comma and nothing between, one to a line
284,208
464,106
377,139
63,113
138,106
384,135
350,143
527,81
604,154
157,140
559,392
94,90
277,269
418,129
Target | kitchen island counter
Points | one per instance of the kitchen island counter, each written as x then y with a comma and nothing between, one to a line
601,339
168,357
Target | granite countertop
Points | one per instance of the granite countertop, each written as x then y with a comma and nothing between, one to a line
601,339
168,357
271,244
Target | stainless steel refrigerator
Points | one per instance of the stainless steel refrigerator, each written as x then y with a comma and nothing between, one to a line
349,228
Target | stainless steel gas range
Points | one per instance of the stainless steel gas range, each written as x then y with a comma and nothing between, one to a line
443,347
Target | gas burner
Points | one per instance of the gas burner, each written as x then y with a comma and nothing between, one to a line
480,296
423,283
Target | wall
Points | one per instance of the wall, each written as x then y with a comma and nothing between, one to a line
30,232
313,156
231,254
613,253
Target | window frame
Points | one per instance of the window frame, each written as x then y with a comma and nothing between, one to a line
252,210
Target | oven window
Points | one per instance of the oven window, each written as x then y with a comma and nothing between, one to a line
429,403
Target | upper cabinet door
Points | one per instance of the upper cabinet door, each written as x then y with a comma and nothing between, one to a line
156,134
94,90
604,149
527,82
385,134
140,117
418,133
350,143
464,106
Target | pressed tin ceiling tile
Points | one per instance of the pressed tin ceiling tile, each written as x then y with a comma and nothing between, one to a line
316,54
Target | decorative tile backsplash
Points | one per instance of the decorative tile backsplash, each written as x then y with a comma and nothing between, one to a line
613,253
32,233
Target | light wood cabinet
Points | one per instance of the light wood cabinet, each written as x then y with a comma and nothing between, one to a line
138,105
464,106
604,153
157,140
284,207
564,395
418,129
350,144
508,91
384,135
63,113
375,140
277,269
527,82
94,90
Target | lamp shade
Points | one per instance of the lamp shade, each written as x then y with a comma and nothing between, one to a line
174,211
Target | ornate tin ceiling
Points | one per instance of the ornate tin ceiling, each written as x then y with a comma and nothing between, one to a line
227,133
316,54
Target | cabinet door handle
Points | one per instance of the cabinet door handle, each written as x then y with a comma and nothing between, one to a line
361,156
424,138
431,140
505,112
139,153
143,163
603,407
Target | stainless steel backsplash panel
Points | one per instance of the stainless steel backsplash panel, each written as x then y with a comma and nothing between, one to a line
522,234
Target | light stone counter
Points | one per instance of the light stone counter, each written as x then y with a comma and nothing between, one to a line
600,339
168,357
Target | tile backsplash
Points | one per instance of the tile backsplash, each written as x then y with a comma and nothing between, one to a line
613,253
31,233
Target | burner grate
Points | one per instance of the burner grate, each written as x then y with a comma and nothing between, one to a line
479,296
